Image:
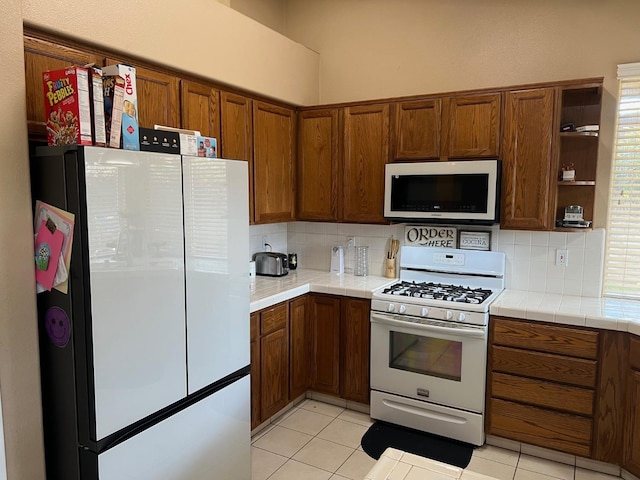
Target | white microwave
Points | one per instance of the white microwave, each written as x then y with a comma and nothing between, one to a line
464,192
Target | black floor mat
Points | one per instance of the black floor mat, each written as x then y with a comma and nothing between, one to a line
382,435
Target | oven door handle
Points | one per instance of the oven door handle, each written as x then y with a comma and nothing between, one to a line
428,327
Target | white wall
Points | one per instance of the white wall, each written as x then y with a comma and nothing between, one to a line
203,37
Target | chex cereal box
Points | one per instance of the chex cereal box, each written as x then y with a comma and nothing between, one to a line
67,106
113,88
130,132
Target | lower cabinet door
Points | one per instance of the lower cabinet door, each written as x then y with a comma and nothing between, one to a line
632,443
325,343
299,338
274,372
355,336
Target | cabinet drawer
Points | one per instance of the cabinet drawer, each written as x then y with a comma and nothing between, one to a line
538,426
545,338
274,318
542,394
634,352
544,366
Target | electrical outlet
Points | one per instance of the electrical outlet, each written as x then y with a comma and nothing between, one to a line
351,242
265,242
562,257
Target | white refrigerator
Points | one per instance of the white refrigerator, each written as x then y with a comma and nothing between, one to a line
145,360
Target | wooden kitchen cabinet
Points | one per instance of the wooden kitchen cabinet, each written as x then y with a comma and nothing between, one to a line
355,335
42,55
580,104
473,126
318,165
527,157
631,460
448,128
273,169
542,384
236,134
299,346
200,104
417,130
366,152
274,359
325,343
158,96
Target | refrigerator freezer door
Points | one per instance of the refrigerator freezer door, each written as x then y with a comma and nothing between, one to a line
136,270
210,439
216,209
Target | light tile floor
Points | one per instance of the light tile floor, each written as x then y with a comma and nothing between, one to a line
318,441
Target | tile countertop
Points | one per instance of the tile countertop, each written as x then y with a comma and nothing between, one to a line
396,464
597,312
267,291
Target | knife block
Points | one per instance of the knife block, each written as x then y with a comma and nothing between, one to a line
390,267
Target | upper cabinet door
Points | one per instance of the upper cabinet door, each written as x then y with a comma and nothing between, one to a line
200,109
273,175
527,155
158,97
473,126
366,151
40,56
417,130
236,140
318,164
235,122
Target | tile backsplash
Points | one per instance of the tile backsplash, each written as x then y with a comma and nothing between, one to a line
530,255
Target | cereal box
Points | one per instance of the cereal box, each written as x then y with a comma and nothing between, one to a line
113,88
130,132
97,107
67,106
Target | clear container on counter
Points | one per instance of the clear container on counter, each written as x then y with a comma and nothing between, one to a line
361,264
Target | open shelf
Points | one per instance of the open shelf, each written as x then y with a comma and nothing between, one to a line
576,183
579,105
579,134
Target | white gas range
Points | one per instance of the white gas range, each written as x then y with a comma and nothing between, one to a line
429,341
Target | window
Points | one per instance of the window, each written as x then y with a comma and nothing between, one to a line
622,264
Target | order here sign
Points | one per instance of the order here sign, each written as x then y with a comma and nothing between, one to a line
429,236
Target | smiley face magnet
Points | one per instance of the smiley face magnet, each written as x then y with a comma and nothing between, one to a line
58,326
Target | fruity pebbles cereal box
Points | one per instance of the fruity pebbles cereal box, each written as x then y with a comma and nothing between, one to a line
67,106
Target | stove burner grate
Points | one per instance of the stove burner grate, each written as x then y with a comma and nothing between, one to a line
438,291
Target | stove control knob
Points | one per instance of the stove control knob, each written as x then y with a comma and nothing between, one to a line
391,307
403,308
461,317
424,312
448,315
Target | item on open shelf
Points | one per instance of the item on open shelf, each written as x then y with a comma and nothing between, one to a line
573,218
568,173
567,127
588,128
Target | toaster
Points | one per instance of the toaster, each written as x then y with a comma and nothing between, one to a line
271,264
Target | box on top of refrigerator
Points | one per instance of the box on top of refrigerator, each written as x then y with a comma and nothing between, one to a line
130,129
113,89
67,106
97,106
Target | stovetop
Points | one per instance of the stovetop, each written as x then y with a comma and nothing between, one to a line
438,291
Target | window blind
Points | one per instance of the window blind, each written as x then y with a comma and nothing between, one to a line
622,264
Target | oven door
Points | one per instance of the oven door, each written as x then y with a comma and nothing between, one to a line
434,361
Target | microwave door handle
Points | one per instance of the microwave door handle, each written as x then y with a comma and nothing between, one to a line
428,326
